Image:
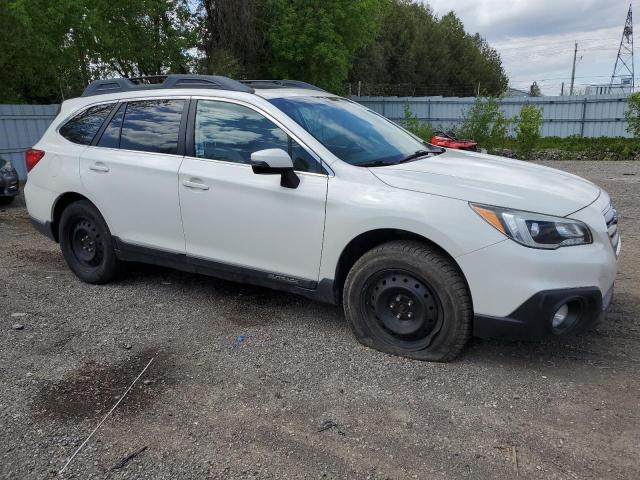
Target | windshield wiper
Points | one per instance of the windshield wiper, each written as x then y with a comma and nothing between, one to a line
415,155
382,163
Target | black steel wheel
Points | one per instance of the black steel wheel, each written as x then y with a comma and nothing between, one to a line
86,243
408,298
405,310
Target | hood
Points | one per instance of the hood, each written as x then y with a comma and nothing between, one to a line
492,180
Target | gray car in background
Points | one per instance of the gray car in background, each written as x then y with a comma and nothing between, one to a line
8,182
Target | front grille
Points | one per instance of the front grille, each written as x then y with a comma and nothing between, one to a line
611,218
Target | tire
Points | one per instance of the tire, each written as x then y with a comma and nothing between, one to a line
407,298
6,200
87,245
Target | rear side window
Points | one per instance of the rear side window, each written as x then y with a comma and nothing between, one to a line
152,126
83,127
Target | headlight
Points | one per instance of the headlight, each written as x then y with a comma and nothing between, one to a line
533,229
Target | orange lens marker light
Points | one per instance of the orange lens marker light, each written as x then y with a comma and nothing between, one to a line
490,216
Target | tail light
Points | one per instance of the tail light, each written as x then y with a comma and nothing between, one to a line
32,157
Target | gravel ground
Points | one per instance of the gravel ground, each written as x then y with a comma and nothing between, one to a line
297,396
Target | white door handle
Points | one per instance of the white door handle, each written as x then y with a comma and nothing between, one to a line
99,167
195,185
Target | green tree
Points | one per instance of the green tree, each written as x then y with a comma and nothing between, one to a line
424,130
528,125
51,50
415,53
232,39
314,40
632,114
485,123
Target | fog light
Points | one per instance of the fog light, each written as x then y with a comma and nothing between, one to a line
560,316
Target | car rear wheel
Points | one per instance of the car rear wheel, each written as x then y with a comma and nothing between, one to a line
6,200
407,298
87,245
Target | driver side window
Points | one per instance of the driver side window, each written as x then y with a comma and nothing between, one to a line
231,132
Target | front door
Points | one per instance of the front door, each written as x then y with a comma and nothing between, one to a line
238,218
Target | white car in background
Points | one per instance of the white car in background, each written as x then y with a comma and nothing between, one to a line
281,184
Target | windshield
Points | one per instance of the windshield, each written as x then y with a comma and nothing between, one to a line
352,132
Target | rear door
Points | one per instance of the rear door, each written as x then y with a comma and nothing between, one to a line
131,172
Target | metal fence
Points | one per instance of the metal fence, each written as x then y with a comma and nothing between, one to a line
586,116
21,126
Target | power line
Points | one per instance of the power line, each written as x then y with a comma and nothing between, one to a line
554,44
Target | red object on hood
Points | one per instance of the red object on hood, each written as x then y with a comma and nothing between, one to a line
448,140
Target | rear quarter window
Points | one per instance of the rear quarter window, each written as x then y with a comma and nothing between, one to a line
152,126
83,127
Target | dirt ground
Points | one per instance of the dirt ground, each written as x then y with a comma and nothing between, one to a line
251,383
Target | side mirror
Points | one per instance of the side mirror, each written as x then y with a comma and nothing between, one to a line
275,161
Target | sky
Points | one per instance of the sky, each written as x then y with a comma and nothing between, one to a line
536,38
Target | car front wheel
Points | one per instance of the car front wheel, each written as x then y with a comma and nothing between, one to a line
408,298
87,244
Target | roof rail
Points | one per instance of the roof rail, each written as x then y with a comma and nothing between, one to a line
281,84
115,85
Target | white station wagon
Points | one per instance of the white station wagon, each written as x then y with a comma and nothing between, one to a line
279,183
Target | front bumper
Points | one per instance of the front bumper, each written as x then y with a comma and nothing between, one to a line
533,319
517,290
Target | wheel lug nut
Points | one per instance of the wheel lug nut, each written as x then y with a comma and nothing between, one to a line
392,305
398,298
410,302
410,315
398,316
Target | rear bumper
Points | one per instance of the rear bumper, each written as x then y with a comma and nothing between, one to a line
44,228
533,319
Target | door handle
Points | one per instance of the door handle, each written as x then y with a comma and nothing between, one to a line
195,185
99,167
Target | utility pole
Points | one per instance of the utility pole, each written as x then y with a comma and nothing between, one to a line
573,70
562,90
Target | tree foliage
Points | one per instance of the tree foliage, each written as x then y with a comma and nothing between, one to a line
528,125
52,49
632,114
485,123
424,130
315,40
415,53
231,37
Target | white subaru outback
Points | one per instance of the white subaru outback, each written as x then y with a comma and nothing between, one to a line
281,184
